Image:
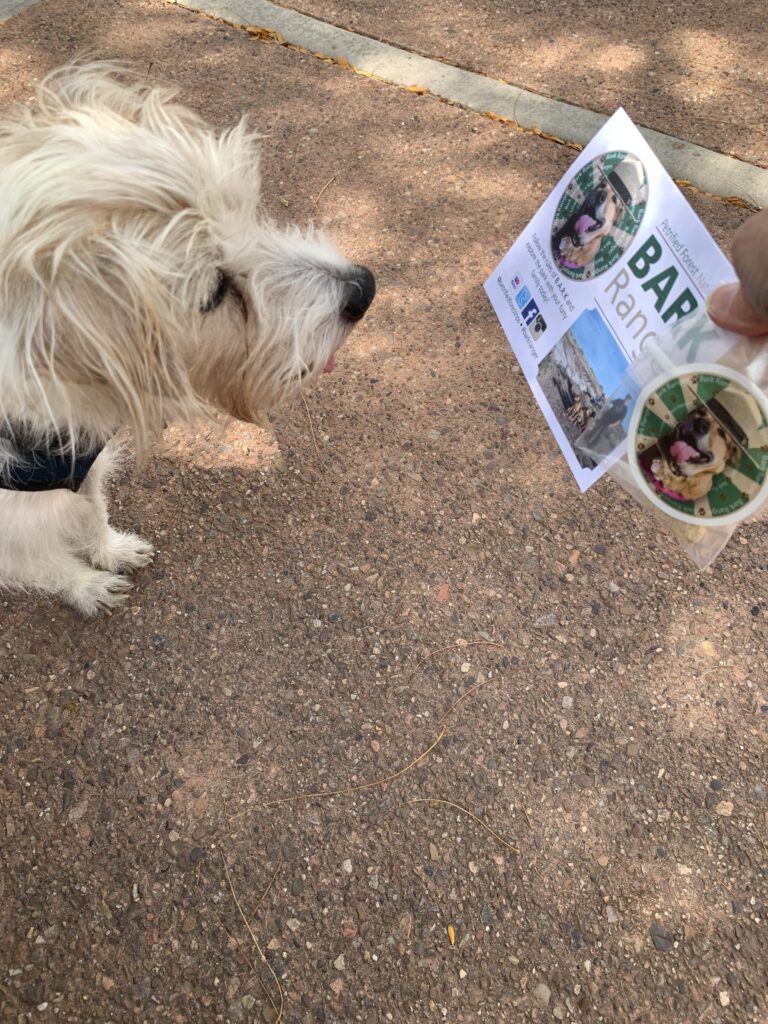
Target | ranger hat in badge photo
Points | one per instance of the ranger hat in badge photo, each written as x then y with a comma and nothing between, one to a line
598,215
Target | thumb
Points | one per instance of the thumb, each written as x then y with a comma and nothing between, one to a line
729,308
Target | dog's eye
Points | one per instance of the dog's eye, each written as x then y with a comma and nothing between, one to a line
219,293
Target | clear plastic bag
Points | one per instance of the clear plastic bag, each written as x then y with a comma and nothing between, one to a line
686,433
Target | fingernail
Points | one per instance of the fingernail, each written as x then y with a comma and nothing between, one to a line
720,301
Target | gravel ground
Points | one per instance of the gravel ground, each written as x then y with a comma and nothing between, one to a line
320,615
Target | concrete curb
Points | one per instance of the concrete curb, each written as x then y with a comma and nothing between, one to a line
712,172
10,7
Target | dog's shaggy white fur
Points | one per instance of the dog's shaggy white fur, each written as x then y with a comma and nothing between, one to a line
140,283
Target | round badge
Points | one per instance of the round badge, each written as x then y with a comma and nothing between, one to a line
698,445
598,215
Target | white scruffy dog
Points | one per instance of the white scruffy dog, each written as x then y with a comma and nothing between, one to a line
140,283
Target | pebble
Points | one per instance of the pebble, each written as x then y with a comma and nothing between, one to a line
339,963
78,811
567,702
347,866
725,999
248,1002
174,836
235,1012
546,621
542,994
612,915
433,852
662,939
293,923
602,861
465,666
724,808
716,784
189,924
473,867
559,1012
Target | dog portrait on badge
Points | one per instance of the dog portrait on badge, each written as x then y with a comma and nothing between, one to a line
607,208
684,463
141,283
578,241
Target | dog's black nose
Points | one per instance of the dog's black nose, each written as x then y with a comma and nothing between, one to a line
358,294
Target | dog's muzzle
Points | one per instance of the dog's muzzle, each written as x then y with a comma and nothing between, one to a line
358,294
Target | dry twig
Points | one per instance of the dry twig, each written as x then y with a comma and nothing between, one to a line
314,435
319,194
260,951
474,817
321,794
461,646
264,895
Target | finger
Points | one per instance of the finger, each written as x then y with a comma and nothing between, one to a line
750,258
729,308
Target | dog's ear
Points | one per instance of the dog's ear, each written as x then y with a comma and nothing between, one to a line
103,324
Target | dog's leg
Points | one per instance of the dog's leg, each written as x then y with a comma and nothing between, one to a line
40,540
88,590
105,547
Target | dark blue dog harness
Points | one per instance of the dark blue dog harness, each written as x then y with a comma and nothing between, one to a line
45,466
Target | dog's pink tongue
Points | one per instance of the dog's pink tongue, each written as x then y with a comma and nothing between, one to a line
329,365
584,223
682,452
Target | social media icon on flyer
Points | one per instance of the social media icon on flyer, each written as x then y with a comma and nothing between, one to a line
530,312
523,297
538,327
515,282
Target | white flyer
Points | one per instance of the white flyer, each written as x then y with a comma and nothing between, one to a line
613,257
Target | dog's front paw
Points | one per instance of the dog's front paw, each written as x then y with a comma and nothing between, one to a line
95,592
123,552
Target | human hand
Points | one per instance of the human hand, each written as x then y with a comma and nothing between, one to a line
743,307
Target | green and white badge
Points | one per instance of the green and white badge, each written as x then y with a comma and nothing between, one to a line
598,215
698,445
